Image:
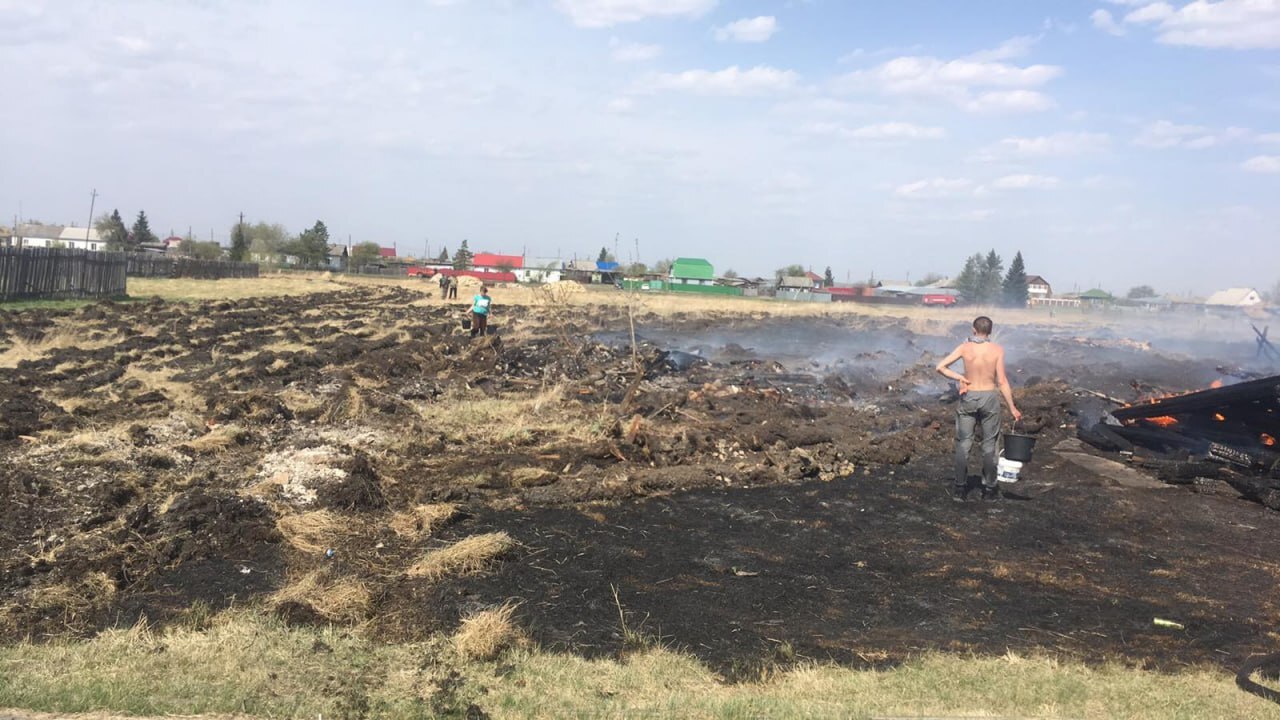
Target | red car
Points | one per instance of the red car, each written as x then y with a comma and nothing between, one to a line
943,300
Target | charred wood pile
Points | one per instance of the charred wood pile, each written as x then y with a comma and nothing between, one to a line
1227,433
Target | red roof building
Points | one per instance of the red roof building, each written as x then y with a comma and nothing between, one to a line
387,252
493,260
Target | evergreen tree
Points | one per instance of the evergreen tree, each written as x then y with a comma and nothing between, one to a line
462,258
312,246
828,280
1015,283
111,229
990,272
239,243
605,255
968,281
142,234
444,255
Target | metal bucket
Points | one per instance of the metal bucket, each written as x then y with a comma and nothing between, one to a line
1018,447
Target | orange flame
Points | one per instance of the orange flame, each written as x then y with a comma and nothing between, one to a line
1268,440
1215,384
1163,421
1219,417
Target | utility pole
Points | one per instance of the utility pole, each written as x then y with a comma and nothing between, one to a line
615,246
89,228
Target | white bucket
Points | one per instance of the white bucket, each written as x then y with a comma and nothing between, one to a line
1007,470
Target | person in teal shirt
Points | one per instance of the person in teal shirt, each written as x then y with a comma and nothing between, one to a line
480,312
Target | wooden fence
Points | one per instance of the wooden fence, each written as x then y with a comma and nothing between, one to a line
52,273
151,265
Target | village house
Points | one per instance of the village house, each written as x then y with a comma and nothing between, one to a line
1234,298
542,270
1038,287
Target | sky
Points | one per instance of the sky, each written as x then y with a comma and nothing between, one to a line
1114,143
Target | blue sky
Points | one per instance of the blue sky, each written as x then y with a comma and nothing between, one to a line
1114,143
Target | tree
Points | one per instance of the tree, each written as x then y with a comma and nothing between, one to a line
969,282
141,234
1015,283
605,255
239,242
731,273
365,253
990,271
111,229
636,269
443,257
929,279
203,250
1141,291
789,271
828,280
311,246
663,267
462,259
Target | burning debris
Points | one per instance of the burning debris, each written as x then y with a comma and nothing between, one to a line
1233,427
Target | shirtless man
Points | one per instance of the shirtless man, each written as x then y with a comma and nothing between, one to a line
981,387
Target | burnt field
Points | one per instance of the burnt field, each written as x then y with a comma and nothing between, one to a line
753,490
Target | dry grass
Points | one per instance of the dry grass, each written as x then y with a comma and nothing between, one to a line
181,394
485,634
269,284
218,440
89,592
339,600
466,557
59,337
313,532
420,521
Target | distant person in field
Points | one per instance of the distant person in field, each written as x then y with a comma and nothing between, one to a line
480,312
444,286
981,387
453,288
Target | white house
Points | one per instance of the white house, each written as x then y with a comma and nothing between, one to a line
1038,287
58,236
536,269
1234,297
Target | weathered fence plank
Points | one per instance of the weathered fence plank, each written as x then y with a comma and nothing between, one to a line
55,273
151,265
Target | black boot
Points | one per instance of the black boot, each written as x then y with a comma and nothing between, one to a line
991,493
958,492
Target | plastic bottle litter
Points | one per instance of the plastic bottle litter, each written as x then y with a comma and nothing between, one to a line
1161,622
329,553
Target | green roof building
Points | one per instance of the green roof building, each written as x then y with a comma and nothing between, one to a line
692,270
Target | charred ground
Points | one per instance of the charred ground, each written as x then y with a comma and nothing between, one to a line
748,488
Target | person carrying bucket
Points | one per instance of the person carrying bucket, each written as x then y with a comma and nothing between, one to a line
981,386
480,312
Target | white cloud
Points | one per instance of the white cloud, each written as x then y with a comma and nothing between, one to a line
606,13
1025,182
1164,134
889,131
1155,12
748,30
1055,145
933,188
1001,101
1269,138
976,83
1268,164
732,81
1014,47
622,51
621,106
898,131
1103,20
1235,24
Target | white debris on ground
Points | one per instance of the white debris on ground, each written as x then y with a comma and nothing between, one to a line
300,472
